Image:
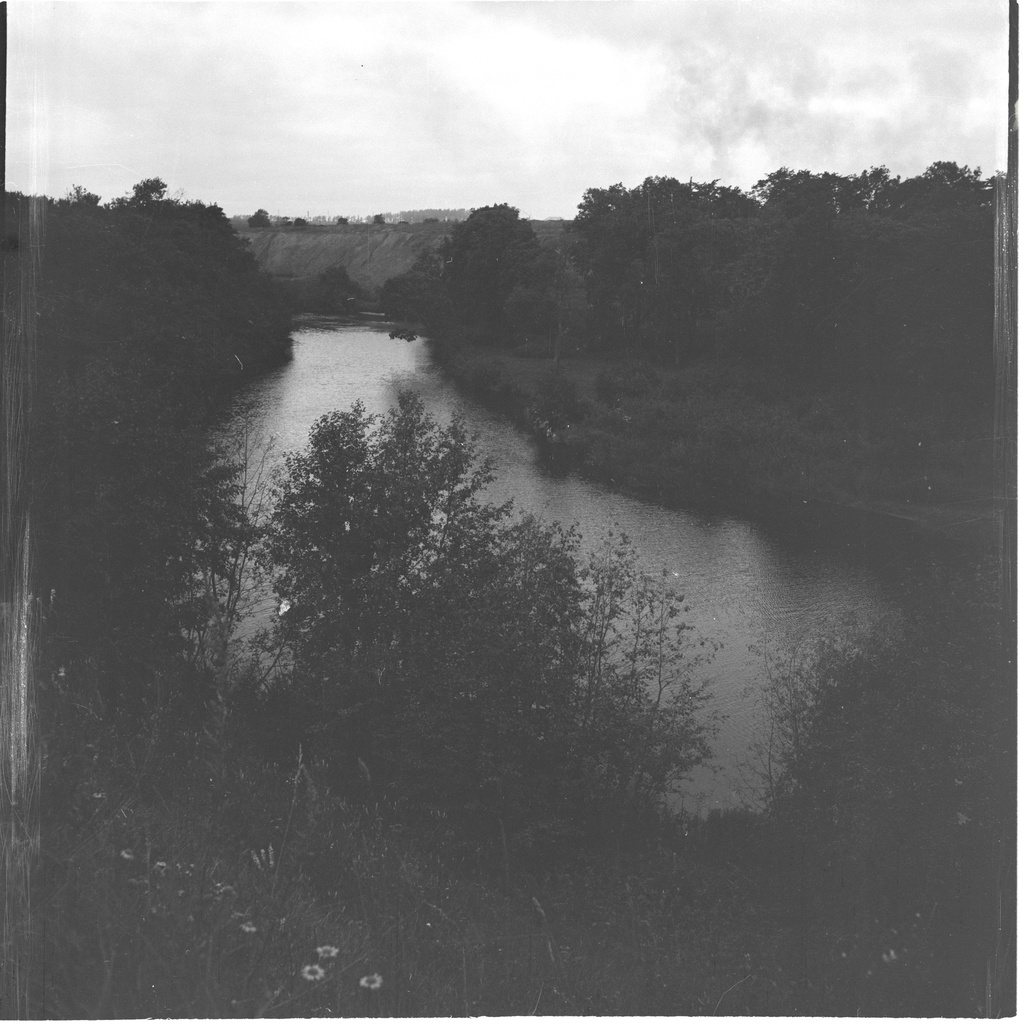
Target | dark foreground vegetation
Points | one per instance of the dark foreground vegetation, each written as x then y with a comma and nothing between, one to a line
434,783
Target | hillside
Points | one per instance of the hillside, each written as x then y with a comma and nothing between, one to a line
370,253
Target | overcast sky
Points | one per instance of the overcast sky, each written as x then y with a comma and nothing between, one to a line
376,107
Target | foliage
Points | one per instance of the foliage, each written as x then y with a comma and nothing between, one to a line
846,278
864,289
331,291
879,771
79,195
734,435
458,657
417,295
260,219
494,282
639,702
557,403
146,309
486,257
267,895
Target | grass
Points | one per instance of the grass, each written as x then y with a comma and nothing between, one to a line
212,938
741,439
189,877
273,898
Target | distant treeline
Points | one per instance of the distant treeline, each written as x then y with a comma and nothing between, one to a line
402,217
416,216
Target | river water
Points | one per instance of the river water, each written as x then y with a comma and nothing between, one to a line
749,591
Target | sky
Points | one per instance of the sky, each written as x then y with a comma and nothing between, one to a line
357,108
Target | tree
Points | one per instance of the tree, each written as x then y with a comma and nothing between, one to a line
418,295
301,222
548,298
453,649
375,486
333,290
342,220
78,195
260,219
944,186
486,257
148,192
639,701
390,567
142,319
378,218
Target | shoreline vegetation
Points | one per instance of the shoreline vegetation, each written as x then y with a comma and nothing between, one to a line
571,410
432,786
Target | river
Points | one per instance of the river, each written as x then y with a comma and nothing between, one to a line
749,591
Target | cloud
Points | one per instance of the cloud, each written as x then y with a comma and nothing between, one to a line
360,107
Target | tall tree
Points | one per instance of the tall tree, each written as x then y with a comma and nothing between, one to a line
146,307
486,256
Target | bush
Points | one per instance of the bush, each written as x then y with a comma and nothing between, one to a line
557,402
459,658
621,381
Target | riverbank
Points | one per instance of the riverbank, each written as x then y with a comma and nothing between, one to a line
719,438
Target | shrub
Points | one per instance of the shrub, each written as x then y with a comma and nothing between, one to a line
448,655
557,401
625,380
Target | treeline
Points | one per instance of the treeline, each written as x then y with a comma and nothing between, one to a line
870,277
821,335
419,216
262,219
145,310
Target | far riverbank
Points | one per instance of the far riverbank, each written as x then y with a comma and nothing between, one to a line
717,439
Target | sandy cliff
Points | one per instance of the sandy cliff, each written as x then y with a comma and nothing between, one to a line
371,254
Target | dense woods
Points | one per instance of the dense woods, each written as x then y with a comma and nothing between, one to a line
869,275
434,782
145,310
821,336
